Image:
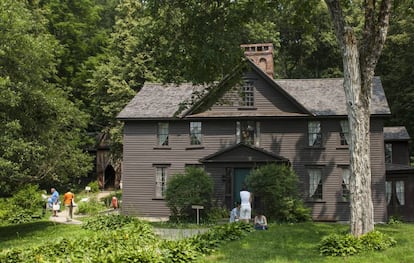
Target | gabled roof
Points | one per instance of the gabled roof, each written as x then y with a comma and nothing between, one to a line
324,97
156,100
315,97
243,153
397,133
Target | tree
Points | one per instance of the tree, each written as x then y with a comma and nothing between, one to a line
194,187
359,59
40,129
396,66
275,190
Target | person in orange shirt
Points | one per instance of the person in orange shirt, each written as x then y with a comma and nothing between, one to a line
68,200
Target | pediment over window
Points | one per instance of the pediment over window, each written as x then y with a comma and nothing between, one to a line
242,152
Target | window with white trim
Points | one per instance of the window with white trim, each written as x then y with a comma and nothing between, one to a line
400,192
248,132
314,134
344,134
247,94
346,175
315,183
195,133
162,133
160,181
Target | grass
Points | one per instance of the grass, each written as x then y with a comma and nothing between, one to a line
298,243
31,234
281,243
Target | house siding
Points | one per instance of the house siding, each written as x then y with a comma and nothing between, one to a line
283,137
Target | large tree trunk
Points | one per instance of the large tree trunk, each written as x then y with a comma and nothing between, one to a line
359,65
358,105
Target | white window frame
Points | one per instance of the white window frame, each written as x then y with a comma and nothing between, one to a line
247,93
163,133
344,135
314,134
315,183
196,137
161,178
346,176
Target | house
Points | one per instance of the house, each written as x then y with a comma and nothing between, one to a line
399,174
233,127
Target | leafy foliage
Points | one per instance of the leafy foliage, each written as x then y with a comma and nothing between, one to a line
276,188
124,239
347,244
40,129
23,207
107,222
194,187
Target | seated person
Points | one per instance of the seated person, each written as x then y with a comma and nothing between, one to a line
235,213
260,221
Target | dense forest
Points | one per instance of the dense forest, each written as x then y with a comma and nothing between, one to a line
68,67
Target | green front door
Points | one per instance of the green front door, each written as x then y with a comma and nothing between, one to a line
239,177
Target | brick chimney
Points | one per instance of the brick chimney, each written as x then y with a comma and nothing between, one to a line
261,55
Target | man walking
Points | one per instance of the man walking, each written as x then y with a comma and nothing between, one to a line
68,199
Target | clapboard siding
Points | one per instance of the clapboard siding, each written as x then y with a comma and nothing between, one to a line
283,137
268,101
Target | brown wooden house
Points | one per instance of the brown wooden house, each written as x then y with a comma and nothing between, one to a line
399,174
230,129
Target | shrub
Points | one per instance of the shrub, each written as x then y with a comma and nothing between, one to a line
376,240
107,222
94,186
339,245
276,188
90,207
194,187
347,244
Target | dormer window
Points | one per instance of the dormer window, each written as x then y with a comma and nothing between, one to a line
247,94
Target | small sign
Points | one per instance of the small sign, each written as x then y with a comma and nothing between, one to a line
198,207
87,188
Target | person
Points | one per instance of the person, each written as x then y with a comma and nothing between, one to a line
260,221
235,213
68,200
114,202
245,206
54,199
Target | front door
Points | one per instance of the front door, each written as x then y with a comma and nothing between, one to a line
239,178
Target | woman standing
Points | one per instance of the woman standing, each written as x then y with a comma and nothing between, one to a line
245,206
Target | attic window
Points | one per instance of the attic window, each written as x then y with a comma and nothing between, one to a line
247,94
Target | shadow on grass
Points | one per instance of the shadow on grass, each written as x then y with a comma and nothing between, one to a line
21,230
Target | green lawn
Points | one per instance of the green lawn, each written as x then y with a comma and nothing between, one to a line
297,243
31,234
281,243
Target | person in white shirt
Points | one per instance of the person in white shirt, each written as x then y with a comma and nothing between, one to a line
245,206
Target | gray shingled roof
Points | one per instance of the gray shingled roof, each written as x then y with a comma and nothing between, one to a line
396,133
325,97
157,100
321,97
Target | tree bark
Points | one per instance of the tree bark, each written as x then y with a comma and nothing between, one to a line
359,66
